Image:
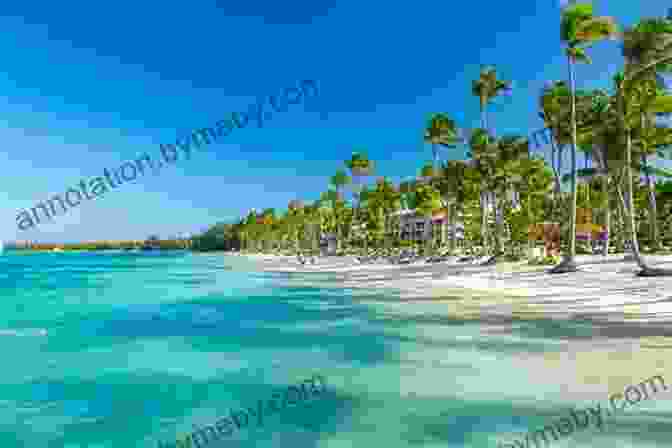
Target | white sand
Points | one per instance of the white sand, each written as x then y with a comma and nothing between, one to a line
605,288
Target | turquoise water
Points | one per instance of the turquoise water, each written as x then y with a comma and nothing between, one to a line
125,350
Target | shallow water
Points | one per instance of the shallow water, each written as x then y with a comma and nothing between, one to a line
124,350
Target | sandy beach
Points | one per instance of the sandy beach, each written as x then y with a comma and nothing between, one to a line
605,289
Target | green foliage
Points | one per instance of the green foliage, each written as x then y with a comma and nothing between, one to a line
341,179
359,161
488,86
427,171
428,200
441,130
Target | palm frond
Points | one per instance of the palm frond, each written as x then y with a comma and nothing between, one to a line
595,29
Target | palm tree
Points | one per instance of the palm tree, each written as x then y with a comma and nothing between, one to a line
598,138
484,155
295,220
313,223
579,28
428,173
532,178
268,221
486,88
651,142
365,230
360,168
339,180
428,200
647,49
452,188
554,103
596,119
511,151
383,201
441,132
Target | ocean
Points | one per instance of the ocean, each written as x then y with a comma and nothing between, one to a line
122,350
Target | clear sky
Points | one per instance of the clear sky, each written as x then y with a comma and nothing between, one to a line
89,85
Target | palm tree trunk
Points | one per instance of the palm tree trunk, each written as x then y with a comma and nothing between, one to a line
314,238
556,169
629,208
484,195
484,114
624,202
607,214
620,216
484,220
530,221
630,218
572,221
653,213
337,218
499,225
366,243
568,264
453,236
339,235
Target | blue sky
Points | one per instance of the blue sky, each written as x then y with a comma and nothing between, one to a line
89,85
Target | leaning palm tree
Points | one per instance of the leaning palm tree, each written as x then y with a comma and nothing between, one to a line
596,121
579,28
651,141
647,48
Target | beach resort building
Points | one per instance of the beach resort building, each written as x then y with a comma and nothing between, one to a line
417,228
